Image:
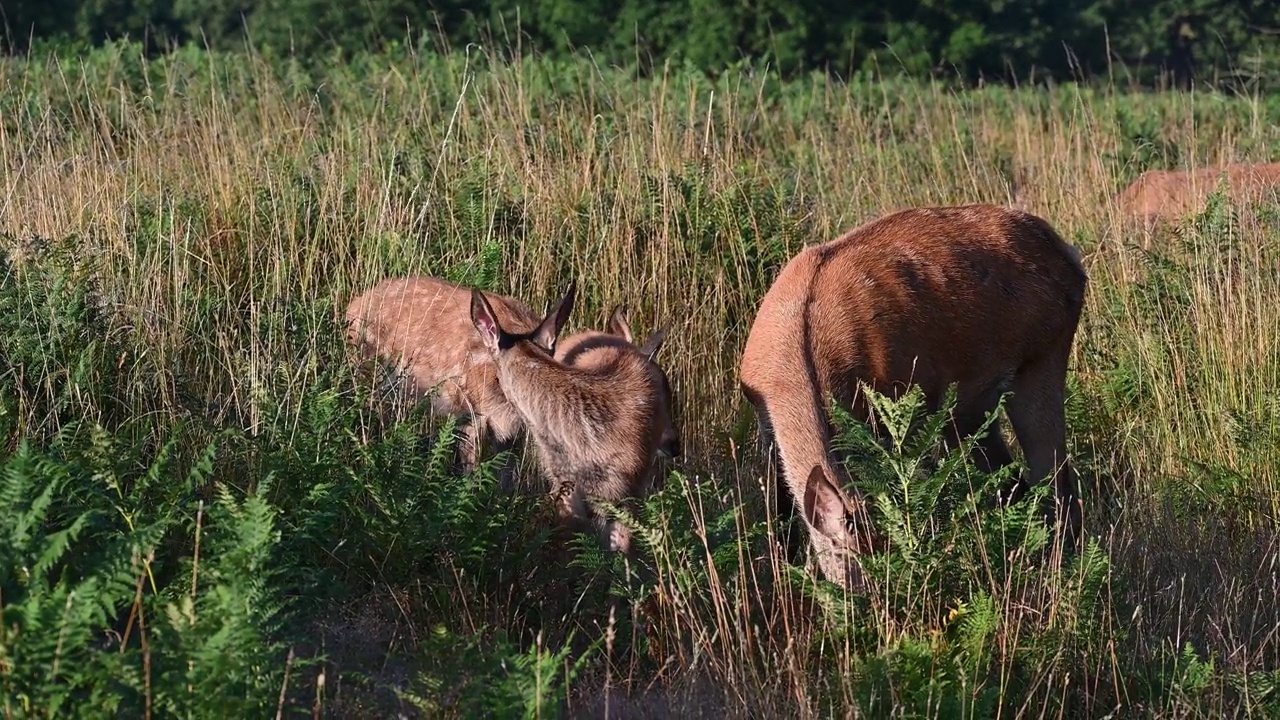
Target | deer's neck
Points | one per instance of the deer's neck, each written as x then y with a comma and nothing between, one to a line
566,406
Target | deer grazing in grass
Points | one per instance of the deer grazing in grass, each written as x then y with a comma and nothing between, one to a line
598,416
596,349
982,296
1165,195
423,325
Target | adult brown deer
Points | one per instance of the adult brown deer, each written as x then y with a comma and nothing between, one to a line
595,422
1165,195
982,296
423,326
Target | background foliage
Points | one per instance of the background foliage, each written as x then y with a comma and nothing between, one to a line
1145,41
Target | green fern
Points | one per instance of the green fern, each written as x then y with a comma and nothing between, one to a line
950,554
469,677
485,270
218,638
78,565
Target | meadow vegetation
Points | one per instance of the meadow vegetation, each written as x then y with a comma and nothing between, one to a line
210,512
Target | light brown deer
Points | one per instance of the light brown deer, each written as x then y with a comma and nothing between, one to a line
423,326
1166,195
982,296
596,422
591,347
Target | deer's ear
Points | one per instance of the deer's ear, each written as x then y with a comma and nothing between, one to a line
485,321
823,506
548,330
618,323
650,347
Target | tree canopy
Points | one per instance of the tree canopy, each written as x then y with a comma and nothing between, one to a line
972,40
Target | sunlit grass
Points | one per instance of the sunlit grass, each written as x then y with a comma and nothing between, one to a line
226,210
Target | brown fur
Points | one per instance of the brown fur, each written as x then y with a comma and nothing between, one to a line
983,296
585,349
595,422
1166,195
423,326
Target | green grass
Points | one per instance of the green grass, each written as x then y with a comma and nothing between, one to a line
208,513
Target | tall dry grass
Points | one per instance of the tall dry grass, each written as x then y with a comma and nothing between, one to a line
228,206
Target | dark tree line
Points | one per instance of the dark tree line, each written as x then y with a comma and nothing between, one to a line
994,40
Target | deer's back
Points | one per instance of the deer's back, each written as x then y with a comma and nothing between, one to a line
965,294
594,413
423,325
